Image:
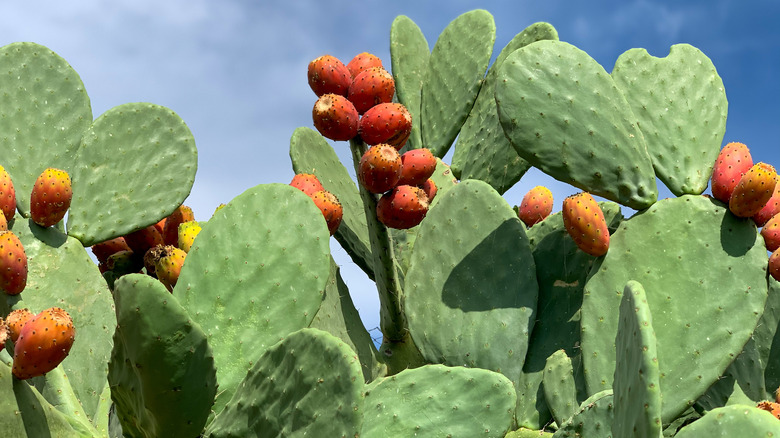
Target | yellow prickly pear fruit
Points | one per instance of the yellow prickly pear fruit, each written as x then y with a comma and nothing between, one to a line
187,233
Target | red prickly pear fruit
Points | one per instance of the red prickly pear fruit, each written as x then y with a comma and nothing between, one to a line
418,166
330,207
307,183
16,321
7,195
585,223
537,204
161,225
402,208
51,196
179,216
771,208
141,240
4,334
774,265
43,344
753,190
13,264
389,123
335,117
430,189
188,231
103,250
328,75
168,266
732,162
771,233
380,168
363,61
370,88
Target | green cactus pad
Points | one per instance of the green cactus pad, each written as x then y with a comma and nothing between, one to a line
528,433
563,114
436,400
256,273
733,421
338,316
636,388
455,73
45,111
162,374
702,317
593,419
137,163
311,153
309,384
561,270
409,54
61,274
560,389
471,287
767,337
483,151
743,382
24,412
680,104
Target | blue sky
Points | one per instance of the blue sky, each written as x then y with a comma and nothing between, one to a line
235,71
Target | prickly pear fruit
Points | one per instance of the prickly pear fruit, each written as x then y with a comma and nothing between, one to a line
774,265
16,321
335,117
770,209
429,187
7,195
307,183
141,240
151,257
771,407
44,343
753,190
380,168
371,87
13,264
169,266
4,335
160,225
402,208
418,166
536,205
3,223
327,74
103,250
771,233
330,207
179,216
124,262
585,223
389,123
51,196
732,162
188,231
363,61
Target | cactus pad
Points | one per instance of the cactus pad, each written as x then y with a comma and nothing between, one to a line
409,54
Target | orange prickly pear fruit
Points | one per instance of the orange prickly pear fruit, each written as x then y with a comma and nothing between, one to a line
753,191
402,208
418,166
179,216
585,223
335,117
13,264
188,231
330,207
51,196
769,210
141,240
363,61
380,168
389,123
732,162
161,225
771,233
3,223
7,195
169,266
429,187
103,250
774,264
4,334
307,183
16,320
371,87
44,343
536,205
327,74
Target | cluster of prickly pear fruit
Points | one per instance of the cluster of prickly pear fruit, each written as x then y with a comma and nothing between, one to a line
326,201
43,342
